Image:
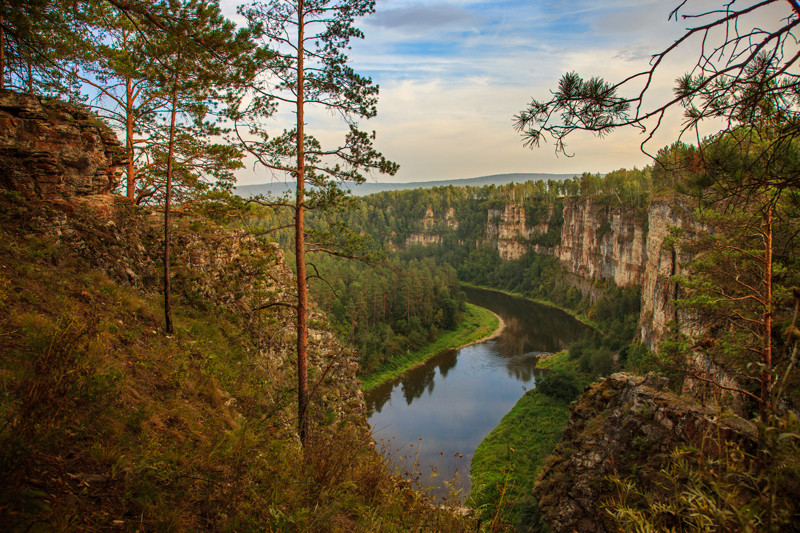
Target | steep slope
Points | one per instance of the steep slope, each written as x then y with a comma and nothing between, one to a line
594,239
632,429
108,424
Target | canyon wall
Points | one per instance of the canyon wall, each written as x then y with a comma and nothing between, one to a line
600,240
507,231
594,239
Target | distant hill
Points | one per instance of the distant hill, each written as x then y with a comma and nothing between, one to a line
370,187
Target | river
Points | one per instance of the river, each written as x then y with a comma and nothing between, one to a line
429,421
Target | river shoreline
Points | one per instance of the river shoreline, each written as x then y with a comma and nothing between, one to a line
577,316
501,326
425,354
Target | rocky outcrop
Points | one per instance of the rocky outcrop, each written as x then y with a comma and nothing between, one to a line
450,218
621,424
59,166
51,150
428,221
432,228
630,246
664,260
422,239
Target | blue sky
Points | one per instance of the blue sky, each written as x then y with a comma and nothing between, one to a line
453,74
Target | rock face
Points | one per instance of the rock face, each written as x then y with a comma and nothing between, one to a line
663,261
429,236
506,229
51,150
621,423
600,241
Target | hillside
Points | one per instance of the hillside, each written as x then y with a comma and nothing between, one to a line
279,188
107,423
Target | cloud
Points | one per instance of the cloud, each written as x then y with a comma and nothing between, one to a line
421,17
454,72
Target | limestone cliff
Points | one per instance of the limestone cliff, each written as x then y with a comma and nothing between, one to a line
599,241
664,259
51,150
432,228
506,230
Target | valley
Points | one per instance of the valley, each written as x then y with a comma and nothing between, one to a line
343,350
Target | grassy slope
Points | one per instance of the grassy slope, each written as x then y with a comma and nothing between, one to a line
478,323
106,423
508,461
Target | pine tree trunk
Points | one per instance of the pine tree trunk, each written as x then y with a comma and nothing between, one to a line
302,289
131,169
170,156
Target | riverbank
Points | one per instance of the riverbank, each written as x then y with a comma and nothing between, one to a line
478,325
508,461
574,314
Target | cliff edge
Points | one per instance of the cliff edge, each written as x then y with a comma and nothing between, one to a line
627,427
107,424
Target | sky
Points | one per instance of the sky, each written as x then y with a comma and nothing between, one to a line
453,74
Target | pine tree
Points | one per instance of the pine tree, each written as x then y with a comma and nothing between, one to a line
309,69
118,65
197,58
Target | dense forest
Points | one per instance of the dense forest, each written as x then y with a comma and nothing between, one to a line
423,242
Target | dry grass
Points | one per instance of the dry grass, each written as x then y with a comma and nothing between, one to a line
107,424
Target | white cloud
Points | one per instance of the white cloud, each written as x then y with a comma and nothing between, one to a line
454,73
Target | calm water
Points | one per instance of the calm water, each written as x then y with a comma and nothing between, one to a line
454,400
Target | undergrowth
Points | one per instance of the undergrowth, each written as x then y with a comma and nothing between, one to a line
107,423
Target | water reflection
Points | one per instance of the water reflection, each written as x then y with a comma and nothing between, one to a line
415,382
521,368
454,400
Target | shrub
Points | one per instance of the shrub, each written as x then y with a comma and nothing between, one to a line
559,385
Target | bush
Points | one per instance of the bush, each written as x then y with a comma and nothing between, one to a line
560,385
641,360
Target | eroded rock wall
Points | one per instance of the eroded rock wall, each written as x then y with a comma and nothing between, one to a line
599,241
506,230
51,150
664,259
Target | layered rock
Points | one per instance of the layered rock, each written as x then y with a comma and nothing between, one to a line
51,150
506,229
620,424
429,236
664,260
422,239
603,242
